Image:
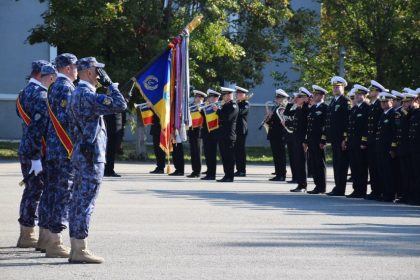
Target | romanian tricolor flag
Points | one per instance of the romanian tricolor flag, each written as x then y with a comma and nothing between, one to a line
196,117
146,115
212,119
154,84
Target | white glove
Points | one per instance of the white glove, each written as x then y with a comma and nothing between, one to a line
36,167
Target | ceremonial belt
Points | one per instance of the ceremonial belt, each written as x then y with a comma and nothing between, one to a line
27,121
61,133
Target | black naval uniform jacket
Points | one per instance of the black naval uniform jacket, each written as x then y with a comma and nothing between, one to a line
374,113
414,133
299,124
357,127
400,143
242,121
316,123
385,131
276,130
228,116
336,120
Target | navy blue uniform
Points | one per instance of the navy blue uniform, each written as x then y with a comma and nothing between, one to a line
241,134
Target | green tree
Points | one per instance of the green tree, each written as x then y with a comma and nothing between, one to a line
235,41
381,39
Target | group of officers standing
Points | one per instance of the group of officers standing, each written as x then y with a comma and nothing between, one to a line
229,135
62,152
373,132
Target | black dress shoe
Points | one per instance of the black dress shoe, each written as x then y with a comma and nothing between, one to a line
277,178
400,200
299,189
204,172
316,191
356,195
372,196
292,181
194,175
208,178
240,174
157,171
111,174
177,173
274,173
334,193
225,179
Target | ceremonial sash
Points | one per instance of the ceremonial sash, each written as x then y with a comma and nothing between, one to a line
27,120
147,115
212,119
61,133
196,118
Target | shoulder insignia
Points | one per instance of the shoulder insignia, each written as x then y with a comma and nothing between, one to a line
107,101
234,106
63,103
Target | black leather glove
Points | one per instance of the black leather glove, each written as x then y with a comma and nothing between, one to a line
104,79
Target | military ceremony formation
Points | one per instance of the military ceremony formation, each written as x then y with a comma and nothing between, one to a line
374,135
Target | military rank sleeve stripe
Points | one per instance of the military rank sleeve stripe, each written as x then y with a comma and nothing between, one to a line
61,133
22,112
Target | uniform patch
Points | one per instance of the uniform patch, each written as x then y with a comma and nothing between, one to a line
386,121
37,116
107,101
63,103
44,94
246,106
359,115
318,113
336,107
234,106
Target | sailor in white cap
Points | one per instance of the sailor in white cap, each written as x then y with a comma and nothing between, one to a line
356,129
210,138
398,99
369,140
298,127
414,144
241,131
194,138
276,135
335,124
228,115
316,124
400,146
385,157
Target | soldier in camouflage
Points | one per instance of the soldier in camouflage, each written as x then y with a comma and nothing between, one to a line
88,157
32,109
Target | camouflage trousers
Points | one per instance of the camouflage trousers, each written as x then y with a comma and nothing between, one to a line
87,181
30,206
58,190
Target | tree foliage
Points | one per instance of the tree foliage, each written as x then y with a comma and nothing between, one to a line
381,39
235,41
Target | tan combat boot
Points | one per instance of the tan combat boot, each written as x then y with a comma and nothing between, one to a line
27,237
42,240
55,247
80,253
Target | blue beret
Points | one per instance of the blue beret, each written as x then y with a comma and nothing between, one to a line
48,69
88,62
65,59
37,65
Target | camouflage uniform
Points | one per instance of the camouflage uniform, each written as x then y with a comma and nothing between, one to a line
88,108
32,99
59,168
